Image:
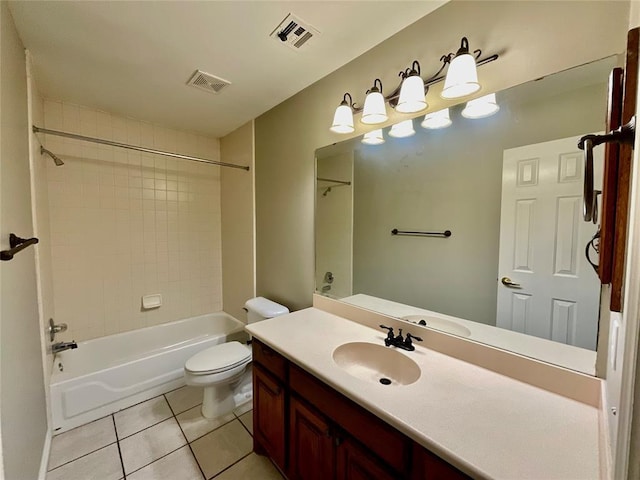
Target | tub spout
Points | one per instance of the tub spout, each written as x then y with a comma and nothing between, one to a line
62,346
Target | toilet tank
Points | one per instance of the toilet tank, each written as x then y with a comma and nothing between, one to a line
260,308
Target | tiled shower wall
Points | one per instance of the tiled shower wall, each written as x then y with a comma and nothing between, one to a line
126,224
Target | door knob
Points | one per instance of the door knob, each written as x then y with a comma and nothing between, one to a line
506,281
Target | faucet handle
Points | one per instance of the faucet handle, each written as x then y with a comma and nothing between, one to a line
409,337
407,343
390,329
389,339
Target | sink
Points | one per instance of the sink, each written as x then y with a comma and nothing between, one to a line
376,363
441,324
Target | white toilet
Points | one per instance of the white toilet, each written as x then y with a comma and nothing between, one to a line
222,369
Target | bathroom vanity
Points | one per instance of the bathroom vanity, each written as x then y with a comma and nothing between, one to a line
320,416
312,431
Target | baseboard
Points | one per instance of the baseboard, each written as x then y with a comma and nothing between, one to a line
44,462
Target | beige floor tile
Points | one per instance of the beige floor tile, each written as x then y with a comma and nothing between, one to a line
149,445
254,467
194,425
247,420
242,409
103,464
82,440
222,447
179,465
184,398
141,416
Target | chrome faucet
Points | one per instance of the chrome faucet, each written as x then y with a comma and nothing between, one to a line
62,346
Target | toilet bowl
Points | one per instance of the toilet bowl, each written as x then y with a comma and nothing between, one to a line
218,369
223,369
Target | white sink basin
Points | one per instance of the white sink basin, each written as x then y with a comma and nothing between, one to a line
373,363
441,324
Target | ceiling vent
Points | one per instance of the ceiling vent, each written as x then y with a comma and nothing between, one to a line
207,82
294,32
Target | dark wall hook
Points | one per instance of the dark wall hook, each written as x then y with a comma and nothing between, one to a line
17,244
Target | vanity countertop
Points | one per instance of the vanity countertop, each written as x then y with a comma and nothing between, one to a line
488,425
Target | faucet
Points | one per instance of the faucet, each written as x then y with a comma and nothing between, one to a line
398,341
62,346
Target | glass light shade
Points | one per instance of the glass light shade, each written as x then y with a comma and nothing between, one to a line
402,129
342,120
481,107
462,77
374,110
412,97
374,137
434,120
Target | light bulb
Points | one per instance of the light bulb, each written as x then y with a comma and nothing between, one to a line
412,97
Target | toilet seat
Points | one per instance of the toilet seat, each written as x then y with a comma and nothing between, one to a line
218,359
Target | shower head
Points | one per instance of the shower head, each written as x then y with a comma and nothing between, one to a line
55,158
326,191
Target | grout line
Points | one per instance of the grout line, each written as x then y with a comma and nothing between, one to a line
82,456
187,440
119,451
211,431
145,428
234,463
159,458
245,427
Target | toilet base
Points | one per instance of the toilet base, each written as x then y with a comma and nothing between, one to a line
220,399
217,401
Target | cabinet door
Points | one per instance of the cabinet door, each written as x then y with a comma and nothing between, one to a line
355,463
269,416
427,466
311,445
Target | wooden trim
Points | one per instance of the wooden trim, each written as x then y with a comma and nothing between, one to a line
610,178
624,172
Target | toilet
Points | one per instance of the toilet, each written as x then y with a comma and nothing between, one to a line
222,369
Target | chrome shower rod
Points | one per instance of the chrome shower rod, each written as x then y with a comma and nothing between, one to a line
134,147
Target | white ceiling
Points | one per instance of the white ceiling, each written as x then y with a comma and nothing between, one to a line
134,58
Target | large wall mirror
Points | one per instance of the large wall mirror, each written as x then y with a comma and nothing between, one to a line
508,187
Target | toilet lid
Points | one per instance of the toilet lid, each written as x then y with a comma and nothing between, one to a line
219,358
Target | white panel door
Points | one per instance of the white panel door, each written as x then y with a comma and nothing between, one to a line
542,244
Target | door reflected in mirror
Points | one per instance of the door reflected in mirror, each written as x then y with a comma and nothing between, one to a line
513,273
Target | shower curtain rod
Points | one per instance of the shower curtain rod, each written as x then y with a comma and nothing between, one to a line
133,147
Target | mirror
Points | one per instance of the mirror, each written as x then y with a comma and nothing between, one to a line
513,272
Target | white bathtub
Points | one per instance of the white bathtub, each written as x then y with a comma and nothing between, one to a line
108,374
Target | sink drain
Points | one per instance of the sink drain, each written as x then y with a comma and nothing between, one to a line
385,381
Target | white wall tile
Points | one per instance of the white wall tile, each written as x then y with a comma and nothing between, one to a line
126,224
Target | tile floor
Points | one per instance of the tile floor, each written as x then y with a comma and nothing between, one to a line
163,438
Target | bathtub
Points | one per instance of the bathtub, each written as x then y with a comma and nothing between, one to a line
108,374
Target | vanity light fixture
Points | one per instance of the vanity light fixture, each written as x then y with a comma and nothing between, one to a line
374,137
462,75
375,110
412,91
343,118
402,129
409,96
435,120
481,107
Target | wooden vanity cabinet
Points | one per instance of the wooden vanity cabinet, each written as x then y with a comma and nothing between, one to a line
311,444
312,432
269,416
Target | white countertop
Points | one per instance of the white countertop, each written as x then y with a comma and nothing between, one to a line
487,425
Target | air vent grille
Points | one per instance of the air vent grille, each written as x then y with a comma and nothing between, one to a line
294,32
207,82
